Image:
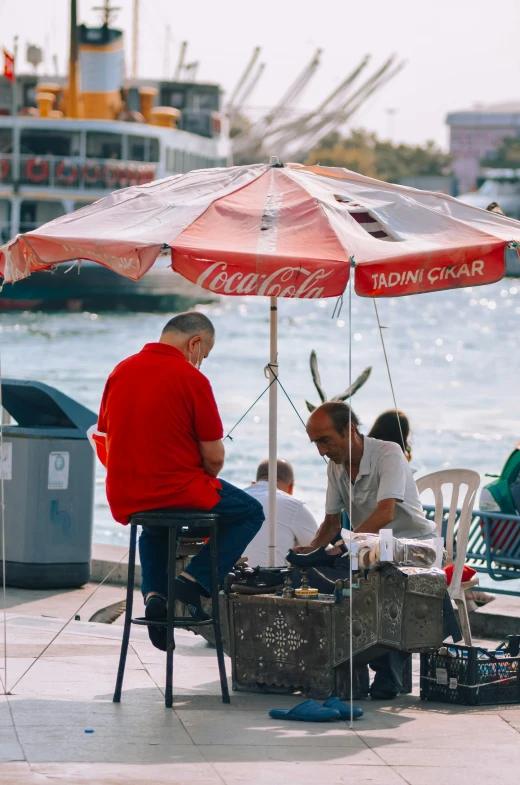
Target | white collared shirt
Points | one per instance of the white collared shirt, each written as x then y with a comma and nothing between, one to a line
295,525
384,473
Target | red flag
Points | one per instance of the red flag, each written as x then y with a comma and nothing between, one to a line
8,66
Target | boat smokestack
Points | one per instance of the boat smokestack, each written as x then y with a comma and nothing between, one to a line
164,116
147,97
45,103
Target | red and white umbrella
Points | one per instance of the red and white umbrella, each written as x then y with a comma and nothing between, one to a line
279,231
290,231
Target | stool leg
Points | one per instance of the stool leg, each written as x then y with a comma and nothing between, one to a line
170,635
215,613
128,614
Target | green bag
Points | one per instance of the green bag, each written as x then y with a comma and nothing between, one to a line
505,490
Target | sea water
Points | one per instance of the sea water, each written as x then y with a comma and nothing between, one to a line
454,359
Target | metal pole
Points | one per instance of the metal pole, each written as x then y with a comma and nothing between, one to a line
241,82
166,56
73,97
180,65
15,69
135,38
273,426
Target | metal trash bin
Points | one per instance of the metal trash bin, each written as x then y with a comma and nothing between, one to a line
47,465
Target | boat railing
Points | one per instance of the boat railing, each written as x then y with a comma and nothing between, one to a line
73,172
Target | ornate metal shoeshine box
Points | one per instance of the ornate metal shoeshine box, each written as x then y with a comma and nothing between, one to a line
280,645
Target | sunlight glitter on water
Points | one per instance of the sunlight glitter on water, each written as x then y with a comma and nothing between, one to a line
464,411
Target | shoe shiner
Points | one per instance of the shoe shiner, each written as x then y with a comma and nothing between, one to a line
374,478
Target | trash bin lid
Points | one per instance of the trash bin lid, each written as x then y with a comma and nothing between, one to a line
42,410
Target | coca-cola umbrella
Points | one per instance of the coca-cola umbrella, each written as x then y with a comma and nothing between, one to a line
279,231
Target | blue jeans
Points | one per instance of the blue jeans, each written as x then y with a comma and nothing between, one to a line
241,517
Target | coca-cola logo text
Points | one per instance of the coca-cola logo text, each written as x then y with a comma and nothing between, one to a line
217,278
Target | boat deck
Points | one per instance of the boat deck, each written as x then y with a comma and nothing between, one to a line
69,691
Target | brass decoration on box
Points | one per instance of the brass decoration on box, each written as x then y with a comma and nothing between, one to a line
285,644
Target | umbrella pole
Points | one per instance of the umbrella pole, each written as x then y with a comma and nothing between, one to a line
273,426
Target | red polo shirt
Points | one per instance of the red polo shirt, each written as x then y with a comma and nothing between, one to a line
155,410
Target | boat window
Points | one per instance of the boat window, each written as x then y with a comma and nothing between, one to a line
154,150
137,148
35,213
6,97
205,102
49,142
175,98
143,148
79,205
6,140
5,220
104,145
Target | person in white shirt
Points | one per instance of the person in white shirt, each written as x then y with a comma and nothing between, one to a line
295,524
374,478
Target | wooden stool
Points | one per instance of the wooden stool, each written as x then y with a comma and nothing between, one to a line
192,523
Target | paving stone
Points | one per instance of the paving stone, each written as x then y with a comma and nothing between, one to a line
10,749
130,774
305,773
200,741
20,773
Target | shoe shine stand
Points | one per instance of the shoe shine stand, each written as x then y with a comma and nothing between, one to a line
283,644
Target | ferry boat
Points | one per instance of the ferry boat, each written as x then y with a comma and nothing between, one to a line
68,142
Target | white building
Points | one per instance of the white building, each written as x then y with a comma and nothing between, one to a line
477,133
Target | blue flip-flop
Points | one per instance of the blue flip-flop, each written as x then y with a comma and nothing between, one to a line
308,711
343,708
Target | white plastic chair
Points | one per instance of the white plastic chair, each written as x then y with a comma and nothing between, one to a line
435,482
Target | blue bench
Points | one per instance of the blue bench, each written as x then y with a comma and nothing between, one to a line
493,545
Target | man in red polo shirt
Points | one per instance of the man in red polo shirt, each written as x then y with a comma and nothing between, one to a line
163,448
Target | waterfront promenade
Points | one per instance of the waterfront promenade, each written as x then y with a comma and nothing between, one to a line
69,691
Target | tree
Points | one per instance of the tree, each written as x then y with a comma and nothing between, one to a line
507,156
363,152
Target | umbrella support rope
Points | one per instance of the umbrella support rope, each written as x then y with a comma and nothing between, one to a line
2,504
277,379
67,623
389,376
228,435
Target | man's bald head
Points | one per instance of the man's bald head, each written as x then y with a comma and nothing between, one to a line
328,427
190,324
284,471
337,413
192,333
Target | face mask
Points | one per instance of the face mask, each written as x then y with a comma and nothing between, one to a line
198,363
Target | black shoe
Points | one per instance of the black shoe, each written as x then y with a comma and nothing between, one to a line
155,610
383,689
312,559
259,580
189,593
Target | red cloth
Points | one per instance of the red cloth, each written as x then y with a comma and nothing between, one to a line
8,66
155,410
467,573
